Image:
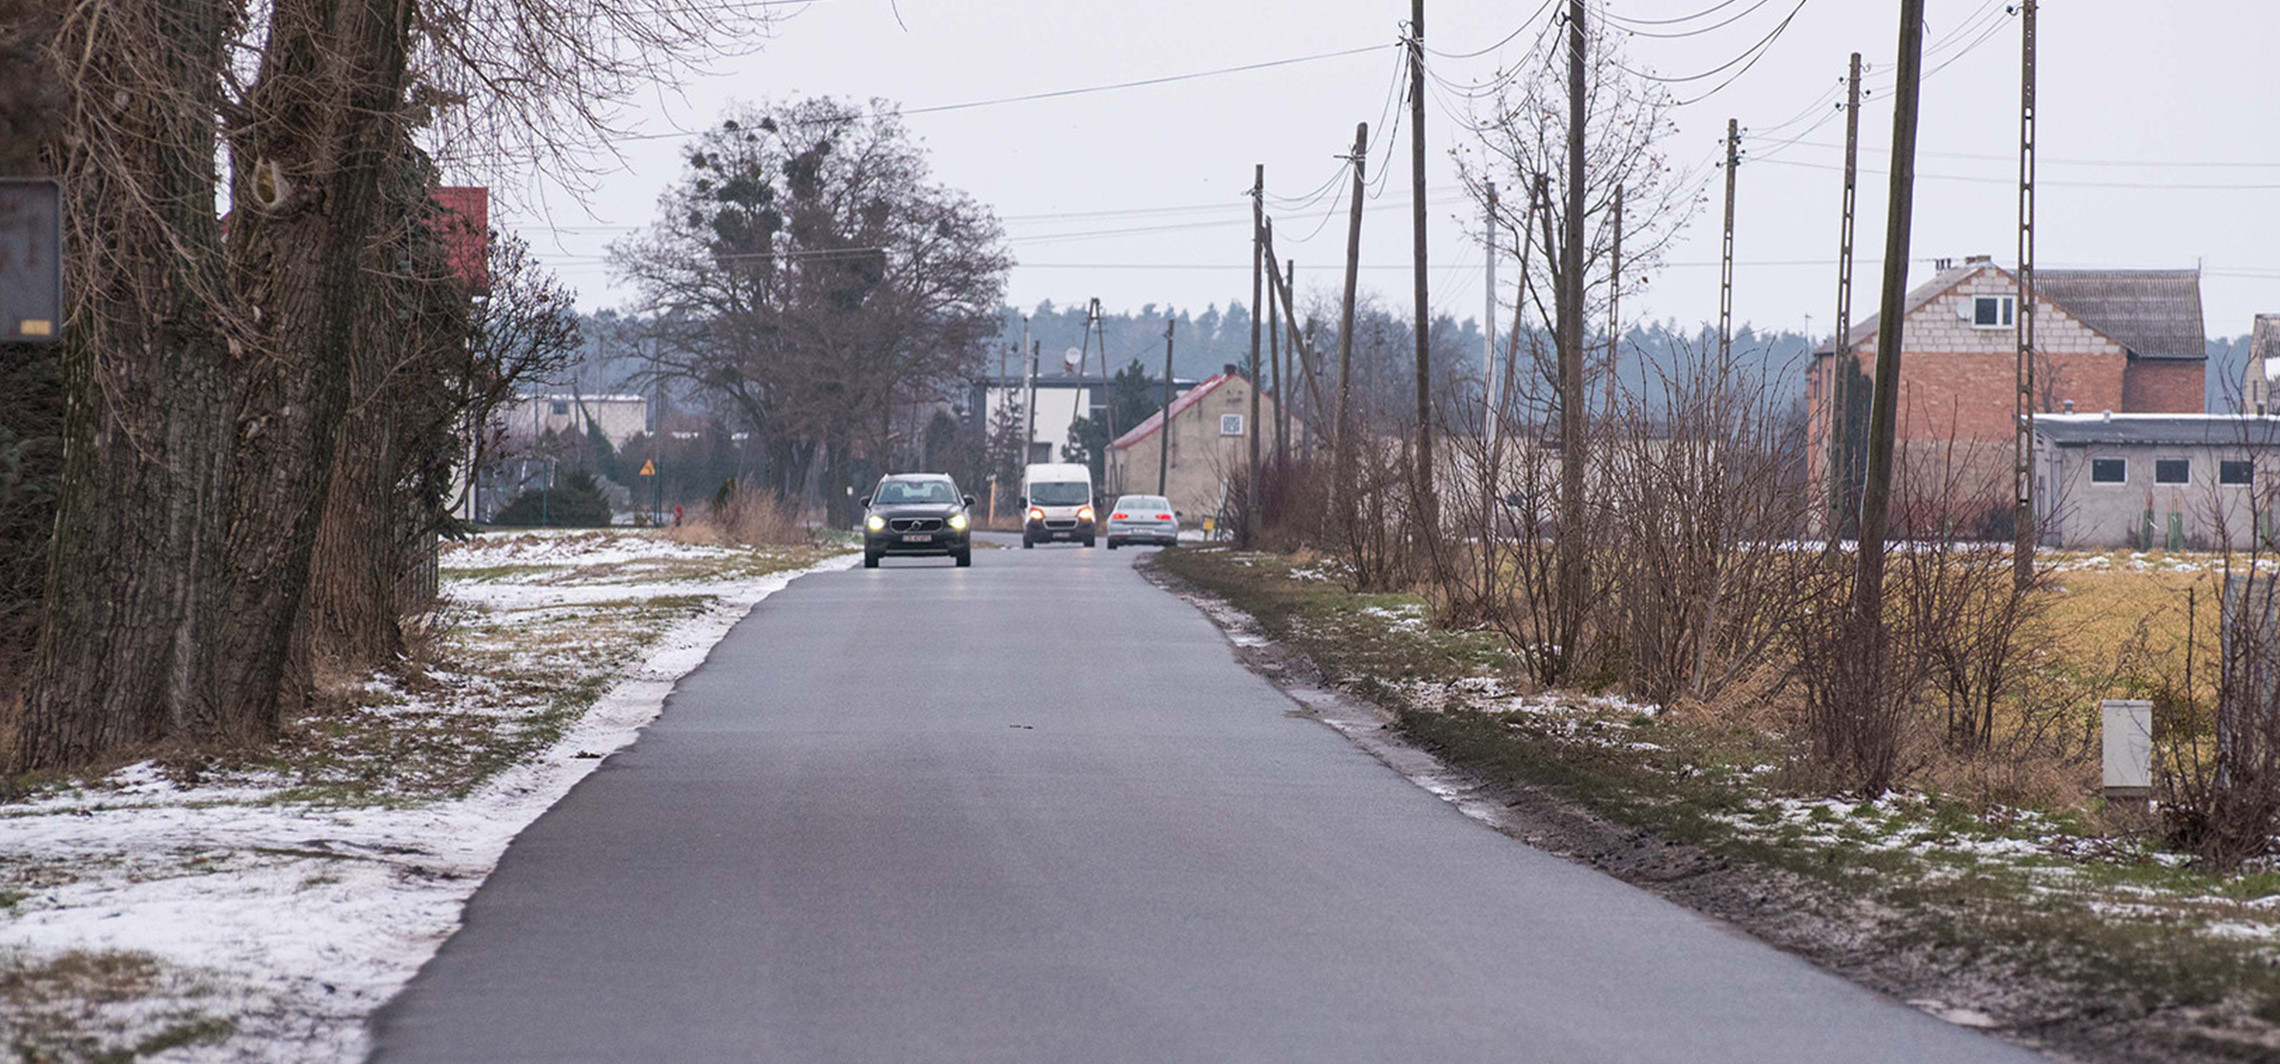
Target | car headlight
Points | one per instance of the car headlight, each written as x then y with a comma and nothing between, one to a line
875,523
1084,513
1036,513
958,522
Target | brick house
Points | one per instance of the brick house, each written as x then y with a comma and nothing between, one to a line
2106,340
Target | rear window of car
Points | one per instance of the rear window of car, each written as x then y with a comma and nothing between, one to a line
1134,503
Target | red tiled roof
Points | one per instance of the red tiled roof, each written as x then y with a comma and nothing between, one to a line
1156,420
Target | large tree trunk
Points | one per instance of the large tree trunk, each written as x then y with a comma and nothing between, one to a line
310,176
203,437
142,505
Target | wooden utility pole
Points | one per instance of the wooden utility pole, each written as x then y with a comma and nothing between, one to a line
1276,363
1029,405
1258,290
1428,506
1302,348
1285,393
1841,366
1164,430
1614,307
1341,441
2023,465
1097,323
1726,257
1573,555
1884,405
1492,400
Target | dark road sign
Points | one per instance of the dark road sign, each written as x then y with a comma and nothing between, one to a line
31,260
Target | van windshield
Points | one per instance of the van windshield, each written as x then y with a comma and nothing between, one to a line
1060,493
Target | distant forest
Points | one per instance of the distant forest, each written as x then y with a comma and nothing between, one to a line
613,357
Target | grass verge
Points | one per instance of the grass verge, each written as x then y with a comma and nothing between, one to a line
2068,928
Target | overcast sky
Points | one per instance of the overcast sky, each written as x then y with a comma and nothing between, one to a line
2156,140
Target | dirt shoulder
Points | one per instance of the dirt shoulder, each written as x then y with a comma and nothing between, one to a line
2068,934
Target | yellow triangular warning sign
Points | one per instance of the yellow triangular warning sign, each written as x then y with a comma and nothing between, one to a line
649,468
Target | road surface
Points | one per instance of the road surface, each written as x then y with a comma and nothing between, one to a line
1035,811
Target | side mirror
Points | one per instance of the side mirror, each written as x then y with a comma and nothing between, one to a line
864,501
969,501
1021,500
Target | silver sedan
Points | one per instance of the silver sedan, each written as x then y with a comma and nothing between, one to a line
1142,519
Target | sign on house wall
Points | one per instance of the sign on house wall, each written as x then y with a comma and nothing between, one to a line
31,260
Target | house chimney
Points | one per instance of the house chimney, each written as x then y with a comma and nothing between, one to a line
1229,369
2069,405
1979,260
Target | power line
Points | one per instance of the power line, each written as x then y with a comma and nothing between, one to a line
2158,186
1059,93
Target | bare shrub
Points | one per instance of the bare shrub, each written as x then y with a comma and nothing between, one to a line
743,517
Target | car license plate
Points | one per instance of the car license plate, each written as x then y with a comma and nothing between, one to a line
918,537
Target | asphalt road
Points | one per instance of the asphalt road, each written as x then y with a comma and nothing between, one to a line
1034,811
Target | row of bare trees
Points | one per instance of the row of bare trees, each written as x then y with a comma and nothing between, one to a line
1664,537
271,358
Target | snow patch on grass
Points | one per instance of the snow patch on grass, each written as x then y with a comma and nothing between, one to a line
283,904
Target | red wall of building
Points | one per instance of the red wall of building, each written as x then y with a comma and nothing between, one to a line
2164,386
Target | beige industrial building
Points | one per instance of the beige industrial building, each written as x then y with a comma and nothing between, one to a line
2155,481
1209,445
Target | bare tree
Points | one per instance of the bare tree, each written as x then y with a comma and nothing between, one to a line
807,269
211,370
1525,139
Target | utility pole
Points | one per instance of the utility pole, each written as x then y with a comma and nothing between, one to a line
1429,516
1342,431
1876,493
2023,471
1842,366
1492,401
1164,430
1029,405
1276,364
1726,259
1258,289
1573,557
1614,308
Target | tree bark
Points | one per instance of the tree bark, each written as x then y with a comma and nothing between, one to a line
146,362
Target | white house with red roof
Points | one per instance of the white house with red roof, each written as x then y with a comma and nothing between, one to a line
1201,458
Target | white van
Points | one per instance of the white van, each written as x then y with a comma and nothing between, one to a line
1059,500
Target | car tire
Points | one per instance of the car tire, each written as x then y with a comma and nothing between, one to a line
1112,543
1028,543
870,560
1088,541
964,558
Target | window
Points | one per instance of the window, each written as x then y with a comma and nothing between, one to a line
561,408
2241,472
1992,312
2172,470
1230,424
2109,470
911,492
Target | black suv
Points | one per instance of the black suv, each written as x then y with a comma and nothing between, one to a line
917,513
